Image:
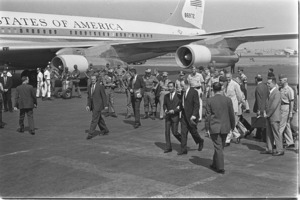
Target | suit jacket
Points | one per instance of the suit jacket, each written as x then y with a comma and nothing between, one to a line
273,106
173,104
25,97
139,84
8,84
97,101
190,104
219,114
261,95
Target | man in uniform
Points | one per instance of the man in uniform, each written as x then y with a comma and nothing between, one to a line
196,81
7,85
119,73
286,110
54,75
47,84
164,90
178,82
126,79
75,80
40,82
89,72
149,94
109,84
243,78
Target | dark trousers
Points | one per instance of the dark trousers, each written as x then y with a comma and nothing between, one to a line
29,112
171,122
219,143
7,100
97,119
1,112
186,127
136,102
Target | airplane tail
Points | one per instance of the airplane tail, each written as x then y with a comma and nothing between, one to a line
188,13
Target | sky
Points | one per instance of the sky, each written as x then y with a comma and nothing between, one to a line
276,16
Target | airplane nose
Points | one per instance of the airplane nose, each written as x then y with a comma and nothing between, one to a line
188,57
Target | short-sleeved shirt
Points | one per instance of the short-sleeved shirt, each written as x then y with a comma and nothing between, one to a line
287,94
40,77
75,74
149,82
195,80
164,84
47,75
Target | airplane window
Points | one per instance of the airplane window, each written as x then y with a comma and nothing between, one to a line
117,34
151,35
38,31
32,30
94,33
108,34
75,32
50,32
15,30
121,34
44,31
55,32
80,32
21,30
90,33
27,30
70,32
140,35
124,34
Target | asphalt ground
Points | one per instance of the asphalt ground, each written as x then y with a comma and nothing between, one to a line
59,162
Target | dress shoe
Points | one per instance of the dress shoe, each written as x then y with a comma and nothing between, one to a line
182,153
266,152
291,146
168,150
220,171
90,136
114,115
161,118
1,126
21,130
152,117
200,147
136,125
32,132
5,110
227,144
247,133
145,116
278,153
212,167
105,132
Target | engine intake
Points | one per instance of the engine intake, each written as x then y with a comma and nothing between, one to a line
69,61
189,55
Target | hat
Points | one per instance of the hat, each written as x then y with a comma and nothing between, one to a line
148,70
165,74
181,73
222,79
282,76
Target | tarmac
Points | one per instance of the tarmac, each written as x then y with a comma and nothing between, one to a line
58,162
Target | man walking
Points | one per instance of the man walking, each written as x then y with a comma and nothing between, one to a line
25,101
189,117
96,102
273,120
40,83
171,107
136,88
220,120
7,85
47,86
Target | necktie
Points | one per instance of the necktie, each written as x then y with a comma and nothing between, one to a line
5,80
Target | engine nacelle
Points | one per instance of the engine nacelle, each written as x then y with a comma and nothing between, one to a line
69,61
188,55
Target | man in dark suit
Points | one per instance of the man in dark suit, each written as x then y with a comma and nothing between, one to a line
96,102
189,117
7,85
261,95
25,101
136,87
220,119
273,116
171,107
1,101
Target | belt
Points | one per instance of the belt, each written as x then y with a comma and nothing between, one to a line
282,103
198,87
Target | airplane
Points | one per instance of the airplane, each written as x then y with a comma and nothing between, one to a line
30,40
289,52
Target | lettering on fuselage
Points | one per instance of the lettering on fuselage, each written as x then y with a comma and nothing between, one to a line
189,15
13,21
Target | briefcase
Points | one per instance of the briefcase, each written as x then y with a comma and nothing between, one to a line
258,122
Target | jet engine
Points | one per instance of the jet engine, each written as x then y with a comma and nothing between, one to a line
69,61
192,54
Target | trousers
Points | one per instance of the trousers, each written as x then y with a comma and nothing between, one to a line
29,112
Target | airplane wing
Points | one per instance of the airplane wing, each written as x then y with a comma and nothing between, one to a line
234,41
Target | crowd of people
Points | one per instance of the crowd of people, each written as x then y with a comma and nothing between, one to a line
181,101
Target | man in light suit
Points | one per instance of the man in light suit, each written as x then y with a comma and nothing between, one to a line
220,119
7,85
136,88
171,108
189,117
25,101
96,102
273,120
